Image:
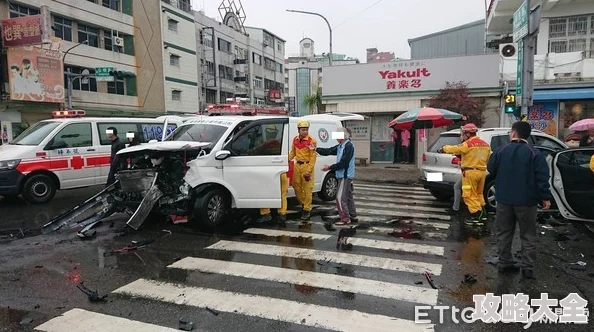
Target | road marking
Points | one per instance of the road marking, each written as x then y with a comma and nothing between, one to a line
388,231
270,308
313,279
397,222
401,213
320,255
82,320
401,200
406,195
394,190
369,243
370,203
275,232
373,186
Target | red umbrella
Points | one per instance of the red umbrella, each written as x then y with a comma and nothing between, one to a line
426,117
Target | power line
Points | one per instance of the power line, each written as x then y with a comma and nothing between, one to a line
359,13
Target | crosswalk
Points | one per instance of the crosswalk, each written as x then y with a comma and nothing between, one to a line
386,268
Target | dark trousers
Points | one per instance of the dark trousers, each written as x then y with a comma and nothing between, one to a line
506,218
406,153
111,176
345,203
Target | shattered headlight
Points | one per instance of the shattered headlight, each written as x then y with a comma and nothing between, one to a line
184,189
6,165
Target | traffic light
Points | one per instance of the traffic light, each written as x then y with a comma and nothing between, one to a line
510,103
119,74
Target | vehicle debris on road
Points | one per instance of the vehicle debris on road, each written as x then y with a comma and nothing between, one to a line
92,295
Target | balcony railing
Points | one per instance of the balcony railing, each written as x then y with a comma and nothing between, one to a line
184,5
554,67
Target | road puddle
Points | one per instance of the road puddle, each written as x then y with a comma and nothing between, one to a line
472,266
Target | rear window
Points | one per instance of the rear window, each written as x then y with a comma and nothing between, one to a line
145,131
450,139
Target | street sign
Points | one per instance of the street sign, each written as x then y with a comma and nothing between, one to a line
520,25
520,71
85,78
102,74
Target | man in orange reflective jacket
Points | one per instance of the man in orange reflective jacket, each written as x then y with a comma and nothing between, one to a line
303,150
475,155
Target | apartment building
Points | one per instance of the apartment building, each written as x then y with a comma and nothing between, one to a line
564,61
238,61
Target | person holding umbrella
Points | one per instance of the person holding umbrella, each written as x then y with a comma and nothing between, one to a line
475,154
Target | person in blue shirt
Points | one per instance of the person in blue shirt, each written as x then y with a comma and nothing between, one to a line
522,181
344,170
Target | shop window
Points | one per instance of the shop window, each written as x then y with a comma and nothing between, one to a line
572,111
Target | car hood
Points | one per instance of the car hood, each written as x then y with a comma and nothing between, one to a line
165,146
10,152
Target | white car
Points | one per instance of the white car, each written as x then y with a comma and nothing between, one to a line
449,165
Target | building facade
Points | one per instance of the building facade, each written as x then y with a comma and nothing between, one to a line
564,62
383,91
238,61
92,34
303,76
463,40
375,56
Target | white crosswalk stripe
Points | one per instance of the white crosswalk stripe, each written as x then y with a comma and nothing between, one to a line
371,250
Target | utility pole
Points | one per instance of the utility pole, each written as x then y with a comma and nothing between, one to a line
329,28
69,75
526,23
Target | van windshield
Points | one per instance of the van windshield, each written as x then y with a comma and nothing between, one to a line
198,132
35,134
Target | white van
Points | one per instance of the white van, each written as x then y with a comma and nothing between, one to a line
221,170
68,151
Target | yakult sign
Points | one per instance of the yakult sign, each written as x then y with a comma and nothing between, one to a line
480,71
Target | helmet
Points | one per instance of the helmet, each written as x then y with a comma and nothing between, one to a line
303,124
271,129
469,128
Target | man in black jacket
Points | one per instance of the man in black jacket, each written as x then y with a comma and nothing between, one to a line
116,145
522,181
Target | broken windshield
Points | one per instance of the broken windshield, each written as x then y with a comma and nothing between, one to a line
35,134
198,132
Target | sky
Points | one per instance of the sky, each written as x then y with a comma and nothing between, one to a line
356,24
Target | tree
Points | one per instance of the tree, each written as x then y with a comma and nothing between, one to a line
314,102
456,97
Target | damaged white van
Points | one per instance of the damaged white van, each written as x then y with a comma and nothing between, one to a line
211,166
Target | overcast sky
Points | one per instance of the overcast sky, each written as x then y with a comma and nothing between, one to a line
356,24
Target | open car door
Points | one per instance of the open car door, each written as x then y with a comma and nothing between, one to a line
573,183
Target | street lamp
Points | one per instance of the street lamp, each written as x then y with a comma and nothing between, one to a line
329,28
69,73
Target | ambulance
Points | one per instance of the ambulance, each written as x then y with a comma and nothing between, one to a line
69,151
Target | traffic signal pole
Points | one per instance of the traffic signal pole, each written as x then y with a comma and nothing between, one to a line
528,50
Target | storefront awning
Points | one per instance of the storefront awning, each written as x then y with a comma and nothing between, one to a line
562,94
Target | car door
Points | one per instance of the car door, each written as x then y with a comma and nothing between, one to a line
68,151
573,183
254,174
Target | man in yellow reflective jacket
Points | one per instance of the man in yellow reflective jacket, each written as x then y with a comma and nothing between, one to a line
475,155
592,163
303,150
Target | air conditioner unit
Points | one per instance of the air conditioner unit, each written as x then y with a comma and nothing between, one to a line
118,41
508,50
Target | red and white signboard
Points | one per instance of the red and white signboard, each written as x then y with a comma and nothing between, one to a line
480,71
21,31
274,94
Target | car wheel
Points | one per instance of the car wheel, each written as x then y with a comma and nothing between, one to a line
211,209
39,188
489,193
329,187
441,196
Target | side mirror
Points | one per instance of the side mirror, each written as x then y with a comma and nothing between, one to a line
222,155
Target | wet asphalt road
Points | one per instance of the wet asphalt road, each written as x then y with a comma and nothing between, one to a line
39,273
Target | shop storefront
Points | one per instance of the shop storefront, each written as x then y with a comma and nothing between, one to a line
382,91
554,110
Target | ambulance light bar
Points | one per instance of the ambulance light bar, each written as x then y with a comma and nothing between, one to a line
68,114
